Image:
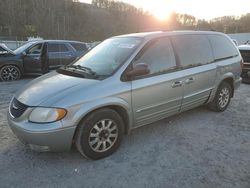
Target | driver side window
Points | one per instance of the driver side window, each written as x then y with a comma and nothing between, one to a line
158,55
36,49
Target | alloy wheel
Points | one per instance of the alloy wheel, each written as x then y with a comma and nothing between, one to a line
224,97
103,135
9,73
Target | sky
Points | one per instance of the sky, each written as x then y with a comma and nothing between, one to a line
202,9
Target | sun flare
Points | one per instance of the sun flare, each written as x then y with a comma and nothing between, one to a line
161,15
160,10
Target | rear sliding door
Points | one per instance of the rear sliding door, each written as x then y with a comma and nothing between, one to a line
198,68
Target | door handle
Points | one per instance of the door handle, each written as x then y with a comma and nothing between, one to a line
177,84
189,80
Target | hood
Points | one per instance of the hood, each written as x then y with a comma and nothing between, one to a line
7,50
49,86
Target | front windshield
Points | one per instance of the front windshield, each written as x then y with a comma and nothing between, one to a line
23,47
105,58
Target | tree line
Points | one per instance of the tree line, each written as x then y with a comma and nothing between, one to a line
73,20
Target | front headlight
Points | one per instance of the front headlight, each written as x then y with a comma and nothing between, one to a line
47,115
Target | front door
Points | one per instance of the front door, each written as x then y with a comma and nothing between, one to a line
32,59
158,94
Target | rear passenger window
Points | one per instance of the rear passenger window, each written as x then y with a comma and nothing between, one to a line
159,56
57,48
79,46
193,50
222,47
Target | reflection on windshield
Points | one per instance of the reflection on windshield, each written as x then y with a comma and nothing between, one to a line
105,58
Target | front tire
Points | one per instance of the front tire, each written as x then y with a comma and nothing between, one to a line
99,134
222,98
10,73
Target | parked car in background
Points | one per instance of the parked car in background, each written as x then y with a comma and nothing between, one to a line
245,53
26,59
94,44
123,83
4,49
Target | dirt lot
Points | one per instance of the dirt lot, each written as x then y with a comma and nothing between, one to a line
198,148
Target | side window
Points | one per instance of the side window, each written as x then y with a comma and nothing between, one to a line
53,47
222,47
159,56
193,50
36,49
79,46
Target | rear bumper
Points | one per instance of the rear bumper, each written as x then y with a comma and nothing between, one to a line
59,139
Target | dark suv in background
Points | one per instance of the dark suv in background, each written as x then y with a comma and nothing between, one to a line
245,53
26,59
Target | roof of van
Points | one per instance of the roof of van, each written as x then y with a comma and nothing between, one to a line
167,33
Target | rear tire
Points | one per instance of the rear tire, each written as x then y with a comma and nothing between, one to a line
222,98
99,134
10,73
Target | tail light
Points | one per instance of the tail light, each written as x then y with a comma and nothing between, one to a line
241,64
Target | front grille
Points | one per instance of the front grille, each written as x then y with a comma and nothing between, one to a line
17,108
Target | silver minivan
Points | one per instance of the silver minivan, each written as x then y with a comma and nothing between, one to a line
125,82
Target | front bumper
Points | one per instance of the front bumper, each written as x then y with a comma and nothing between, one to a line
42,137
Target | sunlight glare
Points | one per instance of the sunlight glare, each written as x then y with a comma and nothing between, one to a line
160,10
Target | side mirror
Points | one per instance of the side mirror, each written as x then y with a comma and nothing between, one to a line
139,69
24,53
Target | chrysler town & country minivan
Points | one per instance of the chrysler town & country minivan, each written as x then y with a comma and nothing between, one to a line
125,82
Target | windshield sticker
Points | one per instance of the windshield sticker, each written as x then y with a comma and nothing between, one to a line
126,46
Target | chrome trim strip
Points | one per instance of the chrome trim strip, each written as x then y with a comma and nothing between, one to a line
156,105
169,110
197,93
10,107
196,100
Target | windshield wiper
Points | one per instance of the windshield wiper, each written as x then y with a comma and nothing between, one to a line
85,69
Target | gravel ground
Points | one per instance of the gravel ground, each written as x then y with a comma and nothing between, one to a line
198,148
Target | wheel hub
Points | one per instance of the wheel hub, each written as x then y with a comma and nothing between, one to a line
103,135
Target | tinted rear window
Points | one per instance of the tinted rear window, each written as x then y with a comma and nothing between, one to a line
222,47
79,46
193,50
57,48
